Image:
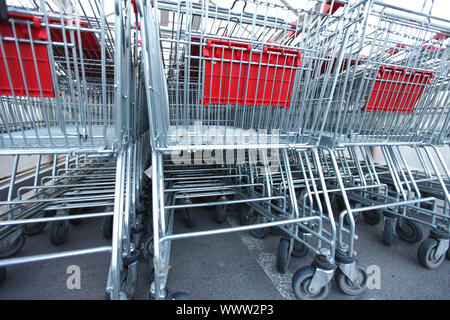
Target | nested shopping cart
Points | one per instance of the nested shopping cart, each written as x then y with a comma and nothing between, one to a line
69,89
230,88
391,105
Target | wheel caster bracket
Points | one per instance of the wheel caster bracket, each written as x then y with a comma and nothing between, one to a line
320,279
350,270
442,247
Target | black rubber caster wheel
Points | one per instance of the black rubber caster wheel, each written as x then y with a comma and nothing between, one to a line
373,217
353,288
180,296
9,249
59,230
410,233
188,214
388,231
258,233
2,275
283,255
32,229
300,250
347,219
245,214
426,254
220,214
300,284
128,282
107,227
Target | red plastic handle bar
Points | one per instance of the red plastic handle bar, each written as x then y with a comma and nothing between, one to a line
393,69
281,50
441,36
296,53
424,74
326,9
229,44
333,8
135,8
384,69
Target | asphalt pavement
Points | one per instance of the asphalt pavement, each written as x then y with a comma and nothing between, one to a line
222,267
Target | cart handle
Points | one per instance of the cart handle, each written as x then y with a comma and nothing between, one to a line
329,8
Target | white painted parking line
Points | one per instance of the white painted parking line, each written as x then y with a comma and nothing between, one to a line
267,260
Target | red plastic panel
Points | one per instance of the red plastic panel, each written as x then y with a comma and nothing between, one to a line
26,57
395,90
233,79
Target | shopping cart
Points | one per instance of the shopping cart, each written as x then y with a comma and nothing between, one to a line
69,88
393,96
225,84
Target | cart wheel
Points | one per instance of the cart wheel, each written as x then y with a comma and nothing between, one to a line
372,217
300,284
412,232
426,254
283,255
32,229
388,231
220,213
107,227
10,249
180,296
2,275
353,288
347,219
189,220
129,282
300,250
245,214
258,233
59,231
